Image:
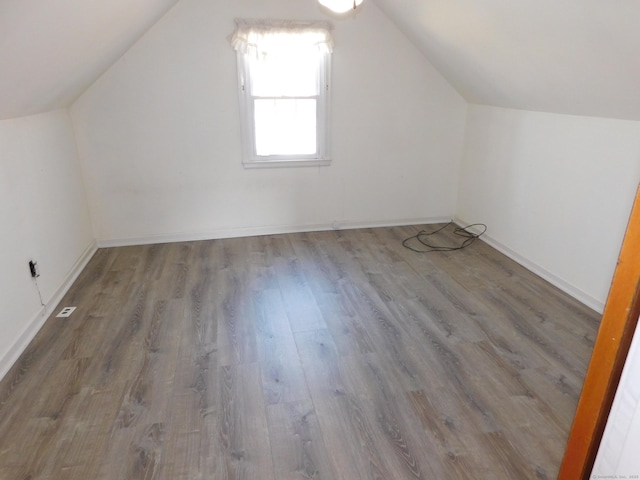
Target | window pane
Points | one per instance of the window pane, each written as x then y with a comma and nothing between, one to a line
285,126
291,75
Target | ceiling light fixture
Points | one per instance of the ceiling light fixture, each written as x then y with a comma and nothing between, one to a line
340,6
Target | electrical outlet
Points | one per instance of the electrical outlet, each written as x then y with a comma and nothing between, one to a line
66,312
33,269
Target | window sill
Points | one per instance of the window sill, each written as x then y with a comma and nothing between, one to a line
287,163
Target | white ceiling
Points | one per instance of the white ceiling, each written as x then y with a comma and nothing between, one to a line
578,57
569,56
52,50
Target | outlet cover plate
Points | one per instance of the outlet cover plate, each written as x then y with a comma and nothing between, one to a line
66,312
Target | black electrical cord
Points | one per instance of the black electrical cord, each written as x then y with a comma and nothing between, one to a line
35,280
422,237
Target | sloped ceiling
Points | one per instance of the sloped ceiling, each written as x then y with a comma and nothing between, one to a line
577,57
52,50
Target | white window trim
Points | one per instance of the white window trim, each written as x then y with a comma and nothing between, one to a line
250,158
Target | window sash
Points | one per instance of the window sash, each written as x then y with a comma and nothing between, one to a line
247,104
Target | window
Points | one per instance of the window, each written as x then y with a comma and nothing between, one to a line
283,74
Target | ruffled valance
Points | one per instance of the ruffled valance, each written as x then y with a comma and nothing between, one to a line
263,37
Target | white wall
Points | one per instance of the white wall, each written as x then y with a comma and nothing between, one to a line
159,136
555,191
44,217
618,453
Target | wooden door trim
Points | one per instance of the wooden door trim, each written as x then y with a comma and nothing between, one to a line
617,327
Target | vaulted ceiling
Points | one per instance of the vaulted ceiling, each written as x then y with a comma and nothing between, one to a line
578,57
52,50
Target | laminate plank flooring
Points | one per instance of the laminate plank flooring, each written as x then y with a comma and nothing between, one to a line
332,355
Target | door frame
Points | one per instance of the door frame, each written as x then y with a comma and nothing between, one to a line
612,343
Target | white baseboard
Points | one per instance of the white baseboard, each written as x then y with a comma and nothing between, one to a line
550,277
35,324
235,232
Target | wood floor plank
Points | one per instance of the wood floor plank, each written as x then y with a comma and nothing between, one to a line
336,355
439,426
283,378
243,424
299,301
282,374
84,453
320,361
389,418
191,420
297,443
236,340
350,438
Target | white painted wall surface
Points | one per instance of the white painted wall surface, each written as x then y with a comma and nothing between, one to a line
44,217
555,191
159,133
618,453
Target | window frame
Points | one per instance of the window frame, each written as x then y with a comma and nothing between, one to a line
322,156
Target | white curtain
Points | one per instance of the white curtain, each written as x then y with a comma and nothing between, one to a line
267,36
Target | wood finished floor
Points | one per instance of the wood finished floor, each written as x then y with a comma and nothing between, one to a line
332,355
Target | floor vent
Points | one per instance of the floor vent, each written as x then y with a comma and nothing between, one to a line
66,311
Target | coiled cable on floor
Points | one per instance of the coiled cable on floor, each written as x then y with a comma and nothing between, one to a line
427,245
